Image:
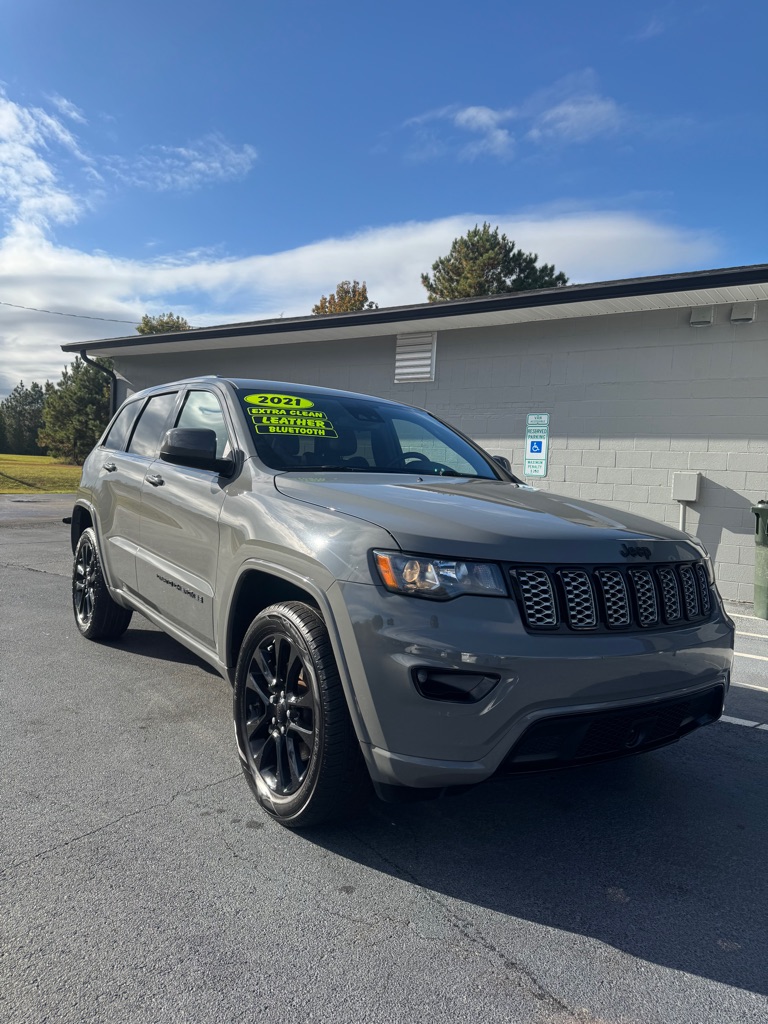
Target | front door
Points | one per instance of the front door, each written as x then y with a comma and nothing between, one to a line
179,549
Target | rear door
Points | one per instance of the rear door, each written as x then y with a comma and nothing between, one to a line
180,526
117,479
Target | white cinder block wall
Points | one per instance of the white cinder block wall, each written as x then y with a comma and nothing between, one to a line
632,397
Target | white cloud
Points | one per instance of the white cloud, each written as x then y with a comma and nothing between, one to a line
33,195
655,27
570,111
201,162
68,109
486,122
578,119
30,192
446,129
35,147
35,272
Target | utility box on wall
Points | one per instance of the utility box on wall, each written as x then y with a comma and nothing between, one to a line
685,486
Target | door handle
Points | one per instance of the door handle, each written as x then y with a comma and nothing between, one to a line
110,467
156,481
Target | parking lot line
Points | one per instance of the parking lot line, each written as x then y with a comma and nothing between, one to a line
752,686
756,618
738,721
754,657
760,636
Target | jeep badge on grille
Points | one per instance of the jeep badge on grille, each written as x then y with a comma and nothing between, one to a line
631,551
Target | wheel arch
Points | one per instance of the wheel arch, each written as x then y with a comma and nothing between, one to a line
257,587
262,584
82,519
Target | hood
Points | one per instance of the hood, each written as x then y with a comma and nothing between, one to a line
490,519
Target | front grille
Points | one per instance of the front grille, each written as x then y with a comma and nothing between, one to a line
538,596
615,596
645,595
589,598
701,579
580,604
690,591
670,593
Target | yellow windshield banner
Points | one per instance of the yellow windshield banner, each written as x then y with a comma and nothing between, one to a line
280,401
288,414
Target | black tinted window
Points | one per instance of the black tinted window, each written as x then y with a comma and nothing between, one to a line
120,430
152,424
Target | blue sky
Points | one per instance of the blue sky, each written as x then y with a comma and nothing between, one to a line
234,162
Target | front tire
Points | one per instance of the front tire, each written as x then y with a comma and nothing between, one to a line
297,746
97,616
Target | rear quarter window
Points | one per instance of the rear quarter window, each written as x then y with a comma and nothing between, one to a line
120,431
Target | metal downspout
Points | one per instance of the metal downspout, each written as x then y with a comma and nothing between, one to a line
112,379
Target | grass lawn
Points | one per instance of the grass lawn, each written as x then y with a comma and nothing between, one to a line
36,474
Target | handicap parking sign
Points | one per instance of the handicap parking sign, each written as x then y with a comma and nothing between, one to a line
536,443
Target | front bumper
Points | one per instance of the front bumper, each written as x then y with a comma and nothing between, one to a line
411,740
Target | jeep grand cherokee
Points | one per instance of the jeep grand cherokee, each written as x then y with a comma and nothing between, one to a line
394,610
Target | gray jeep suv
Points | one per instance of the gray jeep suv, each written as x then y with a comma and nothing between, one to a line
393,609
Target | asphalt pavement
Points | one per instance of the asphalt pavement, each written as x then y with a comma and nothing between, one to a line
139,881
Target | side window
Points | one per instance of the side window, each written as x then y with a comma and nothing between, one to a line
120,430
152,425
201,410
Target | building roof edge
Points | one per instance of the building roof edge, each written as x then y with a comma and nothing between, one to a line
623,288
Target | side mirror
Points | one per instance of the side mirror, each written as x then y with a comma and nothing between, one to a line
506,465
185,446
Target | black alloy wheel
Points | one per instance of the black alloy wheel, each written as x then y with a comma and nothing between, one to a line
280,713
297,746
86,562
97,616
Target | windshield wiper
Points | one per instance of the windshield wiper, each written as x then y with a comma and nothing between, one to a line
392,471
337,469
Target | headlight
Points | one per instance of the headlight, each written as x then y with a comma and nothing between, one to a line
438,577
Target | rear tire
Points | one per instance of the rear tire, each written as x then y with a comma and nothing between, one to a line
97,616
297,745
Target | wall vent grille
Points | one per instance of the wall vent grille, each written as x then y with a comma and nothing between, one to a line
415,357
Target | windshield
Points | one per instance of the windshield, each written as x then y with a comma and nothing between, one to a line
308,431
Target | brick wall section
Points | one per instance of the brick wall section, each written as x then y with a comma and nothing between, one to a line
632,399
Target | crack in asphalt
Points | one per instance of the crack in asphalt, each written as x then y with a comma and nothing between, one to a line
469,931
115,821
31,568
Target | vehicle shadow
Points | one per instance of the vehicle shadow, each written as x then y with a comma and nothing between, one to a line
152,643
661,856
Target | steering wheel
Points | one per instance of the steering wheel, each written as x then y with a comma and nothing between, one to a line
419,457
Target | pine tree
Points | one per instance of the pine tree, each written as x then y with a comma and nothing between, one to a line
76,411
22,413
483,262
162,323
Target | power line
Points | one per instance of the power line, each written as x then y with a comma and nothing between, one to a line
77,316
